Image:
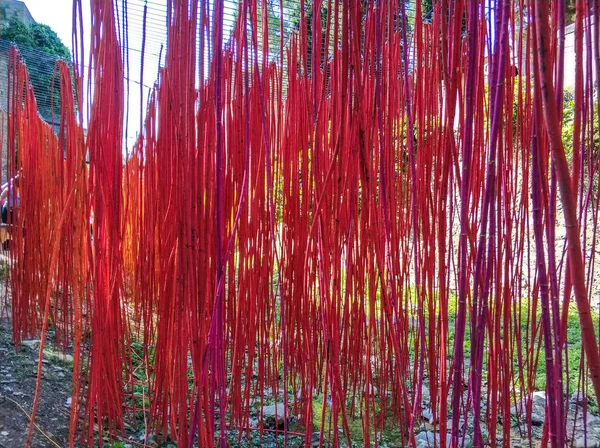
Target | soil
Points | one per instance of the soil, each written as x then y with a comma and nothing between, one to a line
18,377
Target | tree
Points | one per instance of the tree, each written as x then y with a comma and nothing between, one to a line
40,47
273,21
294,16
570,11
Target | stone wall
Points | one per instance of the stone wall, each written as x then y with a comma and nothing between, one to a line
3,105
10,9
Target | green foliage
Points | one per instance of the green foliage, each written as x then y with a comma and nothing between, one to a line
39,46
4,270
273,23
572,381
570,11
427,8
117,445
292,22
38,36
17,32
45,39
389,435
568,127
574,344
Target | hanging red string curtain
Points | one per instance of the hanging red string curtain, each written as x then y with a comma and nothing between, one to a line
354,222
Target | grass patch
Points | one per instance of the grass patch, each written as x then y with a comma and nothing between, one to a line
391,434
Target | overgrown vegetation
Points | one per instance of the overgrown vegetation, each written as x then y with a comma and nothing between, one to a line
568,126
39,46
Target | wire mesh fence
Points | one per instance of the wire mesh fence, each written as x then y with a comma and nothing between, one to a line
142,30
42,78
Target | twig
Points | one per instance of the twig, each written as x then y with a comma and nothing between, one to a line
29,417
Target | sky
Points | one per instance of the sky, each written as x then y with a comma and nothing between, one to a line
59,18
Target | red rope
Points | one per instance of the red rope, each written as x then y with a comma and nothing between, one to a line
332,224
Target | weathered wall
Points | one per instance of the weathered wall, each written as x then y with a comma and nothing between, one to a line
14,8
3,104
9,9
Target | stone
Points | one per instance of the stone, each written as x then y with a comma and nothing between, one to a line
461,424
68,402
4,433
273,416
147,437
468,442
576,420
588,440
484,432
539,398
64,357
537,418
538,408
578,398
425,436
427,415
425,395
315,440
430,438
31,343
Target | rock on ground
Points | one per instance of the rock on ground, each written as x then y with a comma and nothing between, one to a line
273,416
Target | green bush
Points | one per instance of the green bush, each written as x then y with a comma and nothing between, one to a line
40,47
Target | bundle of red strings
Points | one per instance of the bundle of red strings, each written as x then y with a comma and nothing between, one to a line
373,204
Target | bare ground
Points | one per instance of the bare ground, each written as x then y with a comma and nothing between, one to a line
18,377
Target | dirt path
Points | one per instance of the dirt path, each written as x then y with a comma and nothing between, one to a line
18,374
